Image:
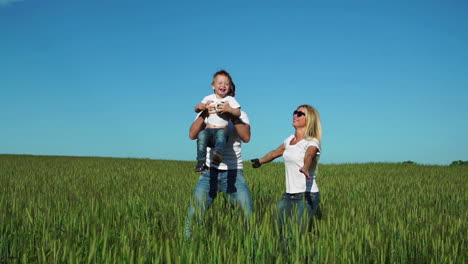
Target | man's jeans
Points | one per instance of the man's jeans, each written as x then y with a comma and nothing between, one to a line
290,202
210,137
231,182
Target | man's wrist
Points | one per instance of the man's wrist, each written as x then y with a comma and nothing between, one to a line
236,121
204,114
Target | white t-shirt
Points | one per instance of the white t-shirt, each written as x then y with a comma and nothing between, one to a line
220,119
293,156
232,158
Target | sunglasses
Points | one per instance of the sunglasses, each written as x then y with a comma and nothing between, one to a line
298,113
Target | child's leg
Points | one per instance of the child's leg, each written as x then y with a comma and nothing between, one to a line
220,140
202,142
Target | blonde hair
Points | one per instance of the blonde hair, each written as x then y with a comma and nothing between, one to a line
313,124
313,129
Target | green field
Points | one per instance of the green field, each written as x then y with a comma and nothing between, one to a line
108,210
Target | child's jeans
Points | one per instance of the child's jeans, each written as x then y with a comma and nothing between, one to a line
210,137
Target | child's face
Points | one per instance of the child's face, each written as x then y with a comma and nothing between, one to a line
221,86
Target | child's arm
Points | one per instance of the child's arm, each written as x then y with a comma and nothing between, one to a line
269,156
226,108
235,112
201,106
309,156
204,104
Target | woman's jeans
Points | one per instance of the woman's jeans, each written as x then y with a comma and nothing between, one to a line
212,181
292,206
210,137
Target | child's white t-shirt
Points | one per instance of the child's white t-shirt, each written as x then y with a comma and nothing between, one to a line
293,156
216,119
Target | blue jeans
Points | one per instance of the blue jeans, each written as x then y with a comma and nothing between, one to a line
210,137
231,182
290,202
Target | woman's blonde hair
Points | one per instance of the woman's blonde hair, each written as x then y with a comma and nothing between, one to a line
313,124
313,129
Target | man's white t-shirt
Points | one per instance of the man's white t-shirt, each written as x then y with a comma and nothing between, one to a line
216,119
293,156
232,158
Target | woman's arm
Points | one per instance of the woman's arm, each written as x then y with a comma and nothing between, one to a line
310,155
269,156
198,125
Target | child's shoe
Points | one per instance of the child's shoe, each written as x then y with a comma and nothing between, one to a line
200,166
217,158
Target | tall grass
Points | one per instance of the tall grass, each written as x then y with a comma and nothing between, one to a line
106,210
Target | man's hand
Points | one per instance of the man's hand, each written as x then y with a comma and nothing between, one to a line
256,163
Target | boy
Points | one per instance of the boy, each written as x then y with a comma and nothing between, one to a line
214,135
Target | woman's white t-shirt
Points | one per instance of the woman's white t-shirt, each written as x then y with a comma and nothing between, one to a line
293,156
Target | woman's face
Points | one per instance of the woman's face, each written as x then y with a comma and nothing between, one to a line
299,118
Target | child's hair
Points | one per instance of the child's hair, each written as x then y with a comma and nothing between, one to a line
232,86
313,124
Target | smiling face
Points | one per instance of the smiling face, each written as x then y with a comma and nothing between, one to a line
221,86
299,117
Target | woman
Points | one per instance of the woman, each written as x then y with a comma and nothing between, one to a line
225,177
300,152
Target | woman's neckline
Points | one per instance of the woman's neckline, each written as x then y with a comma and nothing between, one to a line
292,139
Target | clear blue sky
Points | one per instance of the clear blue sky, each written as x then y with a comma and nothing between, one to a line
121,78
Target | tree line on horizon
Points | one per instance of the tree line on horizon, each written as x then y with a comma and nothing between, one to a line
454,163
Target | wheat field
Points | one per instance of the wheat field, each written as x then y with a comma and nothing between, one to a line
56,209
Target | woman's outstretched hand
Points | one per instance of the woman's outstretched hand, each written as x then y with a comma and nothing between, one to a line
255,163
306,173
